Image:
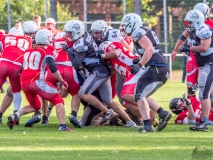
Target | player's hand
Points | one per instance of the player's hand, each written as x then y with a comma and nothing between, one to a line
185,48
65,84
135,61
136,68
65,47
186,100
102,53
173,55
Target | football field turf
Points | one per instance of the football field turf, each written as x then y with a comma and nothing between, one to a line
45,142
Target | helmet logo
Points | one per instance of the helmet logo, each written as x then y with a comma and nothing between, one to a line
194,16
76,26
127,19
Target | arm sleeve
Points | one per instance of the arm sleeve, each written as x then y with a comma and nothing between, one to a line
51,63
77,59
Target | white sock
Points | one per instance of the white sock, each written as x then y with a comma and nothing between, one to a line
17,100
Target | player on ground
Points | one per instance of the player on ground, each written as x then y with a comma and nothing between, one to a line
188,110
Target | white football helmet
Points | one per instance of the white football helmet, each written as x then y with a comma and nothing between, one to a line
16,31
129,23
74,29
204,8
44,36
50,20
29,27
99,26
104,45
60,35
193,20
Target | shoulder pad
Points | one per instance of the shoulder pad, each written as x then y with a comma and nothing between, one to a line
138,33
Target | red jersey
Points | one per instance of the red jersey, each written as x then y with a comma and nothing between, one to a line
209,22
122,63
182,117
35,65
62,58
128,39
14,47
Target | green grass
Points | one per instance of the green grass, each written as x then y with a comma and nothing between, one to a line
100,143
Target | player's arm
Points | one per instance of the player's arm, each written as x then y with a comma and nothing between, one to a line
191,114
181,40
146,44
51,63
126,45
113,53
203,47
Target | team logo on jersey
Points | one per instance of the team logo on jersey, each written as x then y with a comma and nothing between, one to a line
76,26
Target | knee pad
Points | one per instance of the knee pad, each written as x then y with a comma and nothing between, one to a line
9,92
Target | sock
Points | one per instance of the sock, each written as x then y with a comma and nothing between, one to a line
147,122
159,110
17,100
1,115
204,119
50,108
37,112
14,111
63,125
74,113
17,114
45,117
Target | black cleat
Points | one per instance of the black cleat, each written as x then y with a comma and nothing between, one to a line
35,119
164,117
74,120
202,126
107,116
12,120
44,120
147,128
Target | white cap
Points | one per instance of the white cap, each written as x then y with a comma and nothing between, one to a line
50,20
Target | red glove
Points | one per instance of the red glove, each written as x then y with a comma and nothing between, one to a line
65,84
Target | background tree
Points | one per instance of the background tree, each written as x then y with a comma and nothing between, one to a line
25,10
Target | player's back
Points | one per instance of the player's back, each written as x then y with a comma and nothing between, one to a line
14,47
34,64
124,61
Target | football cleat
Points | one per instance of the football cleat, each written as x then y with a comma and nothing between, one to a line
164,117
202,126
65,128
44,120
107,116
74,120
12,120
35,119
147,128
130,124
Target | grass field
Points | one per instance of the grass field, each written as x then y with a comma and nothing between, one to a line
175,142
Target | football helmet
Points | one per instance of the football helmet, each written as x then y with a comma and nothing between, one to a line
29,27
99,26
104,45
129,23
60,35
193,20
50,20
74,29
44,36
204,8
16,31
177,105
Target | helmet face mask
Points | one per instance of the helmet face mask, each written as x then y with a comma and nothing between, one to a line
129,23
74,29
99,30
177,105
193,20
